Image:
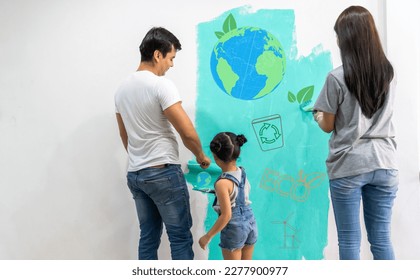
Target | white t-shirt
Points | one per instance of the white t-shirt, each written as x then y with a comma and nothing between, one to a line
141,100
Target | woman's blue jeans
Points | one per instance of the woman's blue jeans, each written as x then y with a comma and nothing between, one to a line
377,190
161,196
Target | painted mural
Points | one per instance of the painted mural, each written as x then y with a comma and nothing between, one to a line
251,81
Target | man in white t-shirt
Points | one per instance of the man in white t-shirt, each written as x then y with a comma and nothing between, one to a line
148,108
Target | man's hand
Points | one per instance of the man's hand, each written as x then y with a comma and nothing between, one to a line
204,162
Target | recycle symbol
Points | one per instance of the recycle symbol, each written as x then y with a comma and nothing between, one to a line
265,133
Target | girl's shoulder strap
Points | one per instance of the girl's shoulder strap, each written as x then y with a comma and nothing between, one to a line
228,176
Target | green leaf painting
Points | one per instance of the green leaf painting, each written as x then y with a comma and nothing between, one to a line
291,97
305,94
219,34
228,25
303,97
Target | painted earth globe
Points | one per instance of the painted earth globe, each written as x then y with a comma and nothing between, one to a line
248,63
203,179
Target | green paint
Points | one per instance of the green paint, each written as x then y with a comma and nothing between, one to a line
285,153
303,97
305,94
230,77
270,65
229,24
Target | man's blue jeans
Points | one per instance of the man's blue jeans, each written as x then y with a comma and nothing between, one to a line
377,190
161,196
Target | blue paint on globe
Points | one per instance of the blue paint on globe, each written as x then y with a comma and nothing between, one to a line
203,179
248,63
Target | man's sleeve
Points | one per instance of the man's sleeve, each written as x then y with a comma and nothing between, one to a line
168,94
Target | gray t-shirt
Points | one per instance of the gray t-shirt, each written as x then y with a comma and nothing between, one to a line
358,144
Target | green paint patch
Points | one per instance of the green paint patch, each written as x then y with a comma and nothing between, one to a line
245,87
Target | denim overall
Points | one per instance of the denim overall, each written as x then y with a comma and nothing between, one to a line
242,228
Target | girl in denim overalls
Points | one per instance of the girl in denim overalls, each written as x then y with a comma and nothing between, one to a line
236,220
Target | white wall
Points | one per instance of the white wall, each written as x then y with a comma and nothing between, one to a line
403,41
62,166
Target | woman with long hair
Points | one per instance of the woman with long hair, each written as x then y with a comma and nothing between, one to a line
356,105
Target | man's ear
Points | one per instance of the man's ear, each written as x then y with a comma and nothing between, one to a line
157,55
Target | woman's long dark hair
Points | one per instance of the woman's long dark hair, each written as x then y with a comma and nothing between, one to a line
367,71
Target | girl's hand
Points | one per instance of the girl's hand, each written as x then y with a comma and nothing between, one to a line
204,240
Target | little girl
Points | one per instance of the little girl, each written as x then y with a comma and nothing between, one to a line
236,220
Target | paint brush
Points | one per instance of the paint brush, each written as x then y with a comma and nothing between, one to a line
306,106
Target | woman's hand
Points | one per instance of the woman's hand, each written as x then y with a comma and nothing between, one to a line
325,120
